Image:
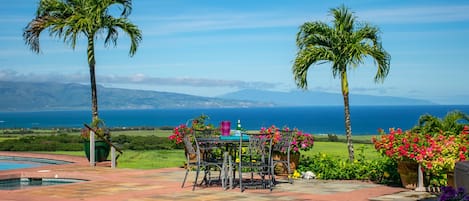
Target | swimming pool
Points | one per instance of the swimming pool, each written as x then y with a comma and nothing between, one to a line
23,183
17,182
16,162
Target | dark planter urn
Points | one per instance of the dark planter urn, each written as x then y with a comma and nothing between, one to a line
101,150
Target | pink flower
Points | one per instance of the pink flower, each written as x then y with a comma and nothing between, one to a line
300,142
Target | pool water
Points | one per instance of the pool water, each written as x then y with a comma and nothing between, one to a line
9,165
23,183
14,162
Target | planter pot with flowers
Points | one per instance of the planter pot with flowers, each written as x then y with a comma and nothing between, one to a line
102,148
437,153
183,134
300,141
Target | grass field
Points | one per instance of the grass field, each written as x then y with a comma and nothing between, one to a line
142,159
340,151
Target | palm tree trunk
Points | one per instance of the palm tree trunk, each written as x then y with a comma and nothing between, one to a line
348,124
92,63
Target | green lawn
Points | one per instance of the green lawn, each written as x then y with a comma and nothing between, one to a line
151,159
141,159
175,158
339,150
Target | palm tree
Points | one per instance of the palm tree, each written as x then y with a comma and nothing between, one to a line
451,124
68,19
345,45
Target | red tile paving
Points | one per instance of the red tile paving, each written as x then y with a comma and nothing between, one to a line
104,183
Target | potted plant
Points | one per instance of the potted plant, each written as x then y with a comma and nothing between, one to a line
400,146
437,153
440,154
300,141
102,148
184,134
182,131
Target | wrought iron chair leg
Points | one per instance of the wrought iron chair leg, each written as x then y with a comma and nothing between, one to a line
196,177
185,177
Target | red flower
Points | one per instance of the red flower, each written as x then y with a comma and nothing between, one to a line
300,142
179,133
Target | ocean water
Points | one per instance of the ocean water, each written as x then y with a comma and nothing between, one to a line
314,119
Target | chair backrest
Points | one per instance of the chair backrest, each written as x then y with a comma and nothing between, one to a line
284,142
206,144
206,134
260,147
190,149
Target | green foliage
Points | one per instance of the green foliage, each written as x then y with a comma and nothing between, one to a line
451,124
332,138
64,142
380,170
166,128
435,179
20,131
43,143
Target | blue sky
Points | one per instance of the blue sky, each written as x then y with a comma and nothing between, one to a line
212,47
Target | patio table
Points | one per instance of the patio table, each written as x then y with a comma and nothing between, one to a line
231,145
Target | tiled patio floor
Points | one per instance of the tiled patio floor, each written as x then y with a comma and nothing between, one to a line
165,184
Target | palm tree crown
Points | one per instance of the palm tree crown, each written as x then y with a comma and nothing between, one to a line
68,19
451,124
345,44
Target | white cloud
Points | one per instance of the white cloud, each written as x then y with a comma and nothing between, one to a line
136,79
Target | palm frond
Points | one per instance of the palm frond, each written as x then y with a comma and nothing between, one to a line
452,123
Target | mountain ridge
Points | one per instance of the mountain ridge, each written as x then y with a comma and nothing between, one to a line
50,96
313,98
44,96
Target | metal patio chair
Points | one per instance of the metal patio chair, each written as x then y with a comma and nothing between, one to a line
283,146
256,161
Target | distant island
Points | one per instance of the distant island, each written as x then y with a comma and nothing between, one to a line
50,96
314,98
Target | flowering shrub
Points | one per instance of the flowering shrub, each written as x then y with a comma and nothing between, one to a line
397,144
274,133
179,133
381,170
199,123
100,130
300,141
436,152
440,153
